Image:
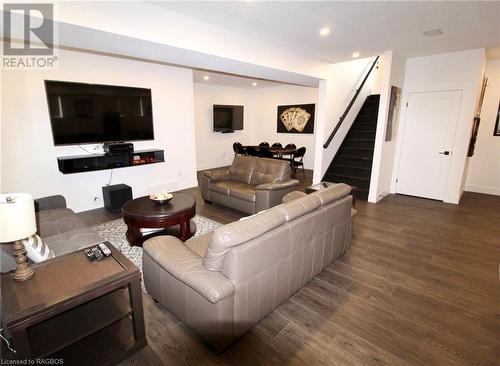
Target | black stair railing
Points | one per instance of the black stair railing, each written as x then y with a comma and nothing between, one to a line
344,115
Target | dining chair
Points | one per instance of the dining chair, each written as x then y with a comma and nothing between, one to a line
252,151
265,153
264,144
276,144
238,148
298,161
290,146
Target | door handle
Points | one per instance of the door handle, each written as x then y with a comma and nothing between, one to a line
444,152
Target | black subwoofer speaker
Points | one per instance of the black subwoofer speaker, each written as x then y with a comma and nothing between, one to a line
115,196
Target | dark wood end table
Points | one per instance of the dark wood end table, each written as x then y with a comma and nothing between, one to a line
142,213
77,311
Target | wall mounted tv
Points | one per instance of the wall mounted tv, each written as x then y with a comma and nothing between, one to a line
228,118
92,113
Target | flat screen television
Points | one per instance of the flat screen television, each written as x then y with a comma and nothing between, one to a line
228,118
92,113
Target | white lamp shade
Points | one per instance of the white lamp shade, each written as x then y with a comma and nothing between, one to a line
17,217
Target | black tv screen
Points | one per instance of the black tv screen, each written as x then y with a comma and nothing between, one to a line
228,117
92,113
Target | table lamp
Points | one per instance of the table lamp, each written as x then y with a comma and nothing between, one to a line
17,222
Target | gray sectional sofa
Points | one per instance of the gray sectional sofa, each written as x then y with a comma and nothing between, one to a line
222,283
250,185
59,227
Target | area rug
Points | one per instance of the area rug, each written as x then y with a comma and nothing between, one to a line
114,232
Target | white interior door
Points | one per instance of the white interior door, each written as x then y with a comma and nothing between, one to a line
428,138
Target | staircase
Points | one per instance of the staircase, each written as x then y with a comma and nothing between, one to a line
353,162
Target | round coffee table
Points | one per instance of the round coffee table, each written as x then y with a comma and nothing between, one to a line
173,217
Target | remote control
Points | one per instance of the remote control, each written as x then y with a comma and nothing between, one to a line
104,249
90,254
98,254
324,184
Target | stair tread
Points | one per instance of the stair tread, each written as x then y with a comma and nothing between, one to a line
348,177
350,166
364,123
357,148
358,139
355,157
372,127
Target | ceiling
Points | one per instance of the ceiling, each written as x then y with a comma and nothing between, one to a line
365,27
231,80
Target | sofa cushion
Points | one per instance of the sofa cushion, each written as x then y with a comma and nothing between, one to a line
56,221
72,240
199,244
50,203
246,193
332,193
218,175
292,196
239,232
225,186
242,167
269,171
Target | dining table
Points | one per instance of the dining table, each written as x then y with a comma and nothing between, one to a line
284,153
281,152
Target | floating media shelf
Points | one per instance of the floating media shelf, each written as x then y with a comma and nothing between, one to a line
93,162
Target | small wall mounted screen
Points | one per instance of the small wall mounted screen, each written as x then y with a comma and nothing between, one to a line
228,118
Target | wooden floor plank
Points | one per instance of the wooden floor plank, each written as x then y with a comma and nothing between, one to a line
419,286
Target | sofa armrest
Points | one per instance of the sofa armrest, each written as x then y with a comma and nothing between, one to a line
278,185
218,175
182,263
270,194
50,202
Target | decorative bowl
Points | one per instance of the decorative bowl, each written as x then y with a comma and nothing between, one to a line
161,198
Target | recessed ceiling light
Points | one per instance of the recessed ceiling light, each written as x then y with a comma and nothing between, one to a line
433,32
355,55
206,77
324,31
254,84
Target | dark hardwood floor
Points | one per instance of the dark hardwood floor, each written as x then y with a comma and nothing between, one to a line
419,286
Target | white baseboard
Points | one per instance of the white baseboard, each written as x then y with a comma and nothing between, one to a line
483,189
382,194
171,186
186,185
379,196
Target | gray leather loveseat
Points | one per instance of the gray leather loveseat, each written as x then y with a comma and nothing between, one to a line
250,185
222,283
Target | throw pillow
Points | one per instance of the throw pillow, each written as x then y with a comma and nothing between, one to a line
36,249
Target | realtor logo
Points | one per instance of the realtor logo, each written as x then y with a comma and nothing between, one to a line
28,31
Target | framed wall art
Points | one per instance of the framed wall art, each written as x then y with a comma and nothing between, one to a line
298,118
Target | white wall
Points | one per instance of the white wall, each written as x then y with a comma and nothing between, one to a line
449,71
265,103
484,167
392,74
29,156
1,141
216,149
